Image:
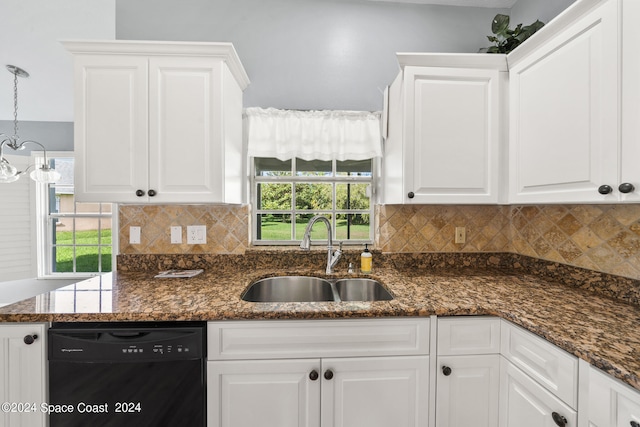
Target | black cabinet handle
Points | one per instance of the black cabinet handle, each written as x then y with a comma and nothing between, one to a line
140,193
446,371
559,419
626,187
328,374
634,424
151,193
411,195
313,375
30,339
605,189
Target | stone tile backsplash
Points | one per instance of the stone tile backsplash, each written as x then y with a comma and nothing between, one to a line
227,228
605,238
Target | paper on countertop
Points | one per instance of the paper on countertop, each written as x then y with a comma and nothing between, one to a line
178,273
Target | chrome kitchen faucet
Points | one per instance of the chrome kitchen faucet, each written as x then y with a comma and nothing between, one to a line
332,257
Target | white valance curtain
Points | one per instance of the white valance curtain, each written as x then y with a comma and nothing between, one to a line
313,135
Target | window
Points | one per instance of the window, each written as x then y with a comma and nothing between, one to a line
74,237
286,194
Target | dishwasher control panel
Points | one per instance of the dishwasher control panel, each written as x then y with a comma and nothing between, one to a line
104,343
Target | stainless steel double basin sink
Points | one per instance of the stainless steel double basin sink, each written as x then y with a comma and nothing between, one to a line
315,289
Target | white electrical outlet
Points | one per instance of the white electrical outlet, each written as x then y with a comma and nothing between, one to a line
134,235
196,234
461,235
176,234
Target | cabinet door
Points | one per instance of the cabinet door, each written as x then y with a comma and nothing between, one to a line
375,392
186,161
609,402
630,173
452,134
23,370
269,393
111,133
468,391
524,403
564,114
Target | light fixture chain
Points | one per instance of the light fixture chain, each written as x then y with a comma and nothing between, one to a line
15,107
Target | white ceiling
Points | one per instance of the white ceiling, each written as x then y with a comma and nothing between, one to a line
473,3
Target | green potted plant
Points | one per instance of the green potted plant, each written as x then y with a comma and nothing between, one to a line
506,39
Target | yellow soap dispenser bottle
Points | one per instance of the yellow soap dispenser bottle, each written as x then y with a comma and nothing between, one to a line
366,260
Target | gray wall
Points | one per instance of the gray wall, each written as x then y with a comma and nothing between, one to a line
311,54
306,54
527,11
55,136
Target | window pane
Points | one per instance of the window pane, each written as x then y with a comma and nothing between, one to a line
314,196
105,232
63,257
93,208
105,259
63,231
354,167
313,168
319,230
87,231
87,258
272,167
274,227
353,226
274,196
352,196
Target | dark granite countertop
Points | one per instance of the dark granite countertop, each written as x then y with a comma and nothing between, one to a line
596,328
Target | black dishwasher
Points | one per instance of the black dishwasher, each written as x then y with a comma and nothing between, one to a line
142,374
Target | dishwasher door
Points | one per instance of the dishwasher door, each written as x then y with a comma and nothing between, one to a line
134,375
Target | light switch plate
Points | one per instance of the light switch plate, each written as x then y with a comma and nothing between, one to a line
134,235
176,234
196,234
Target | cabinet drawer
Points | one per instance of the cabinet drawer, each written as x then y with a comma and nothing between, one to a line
468,335
552,367
317,338
524,403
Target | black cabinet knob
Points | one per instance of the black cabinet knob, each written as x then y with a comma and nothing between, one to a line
605,189
328,374
140,193
313,375
626,187
151,193
411,195
559,419
446,371
634,424
30,339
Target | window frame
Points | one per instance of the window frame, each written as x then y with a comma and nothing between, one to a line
44,243
294,179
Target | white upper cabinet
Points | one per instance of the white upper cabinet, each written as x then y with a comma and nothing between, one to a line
158,122
565,141
445,130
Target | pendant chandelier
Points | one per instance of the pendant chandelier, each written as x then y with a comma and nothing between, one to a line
42,173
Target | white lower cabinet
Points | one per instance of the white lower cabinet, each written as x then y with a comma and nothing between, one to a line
375,392
468,391
343,392
266,393
524,403
347,373
439,372
468,372
609,403
22,364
